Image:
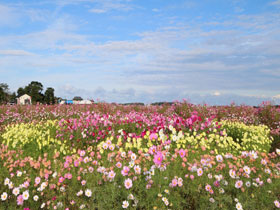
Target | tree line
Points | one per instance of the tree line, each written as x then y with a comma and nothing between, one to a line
34,89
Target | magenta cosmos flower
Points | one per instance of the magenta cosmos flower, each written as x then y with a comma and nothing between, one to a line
158,158
153,136
182,153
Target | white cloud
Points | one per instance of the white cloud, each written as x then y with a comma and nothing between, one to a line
8,16
217,93
276,3
277,96
98,11
15,53
102,6
181,58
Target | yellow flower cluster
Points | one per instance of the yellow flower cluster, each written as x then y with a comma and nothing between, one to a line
250,137
40,135
237,137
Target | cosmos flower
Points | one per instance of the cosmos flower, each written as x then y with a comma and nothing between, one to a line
158,158
25,195
199,172
88,193
219,158
238,184
4,196
128,183
125,204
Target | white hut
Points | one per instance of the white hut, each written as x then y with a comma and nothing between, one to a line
85,102
24,99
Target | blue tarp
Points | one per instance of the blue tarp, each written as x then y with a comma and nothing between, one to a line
69,102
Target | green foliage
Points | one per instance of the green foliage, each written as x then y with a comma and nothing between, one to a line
4,95
49,97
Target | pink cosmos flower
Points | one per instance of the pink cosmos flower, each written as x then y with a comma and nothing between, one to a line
174,182
152,150
153,136
119,164
26,184
66,164
82,153
277,203
238,184
208,188
61,179
182,153
111,175
217,183
137,169
76,163
158,158
20,200
90,169
199,172
128,183
37,180
125,171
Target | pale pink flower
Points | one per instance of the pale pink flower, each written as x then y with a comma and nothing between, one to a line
128,183
20,200
119,164
125,171
37,180
208,188
238,184
153,136
277,203
137,169
199,172
174,182
83,182
111,175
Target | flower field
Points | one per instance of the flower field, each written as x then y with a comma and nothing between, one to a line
108,156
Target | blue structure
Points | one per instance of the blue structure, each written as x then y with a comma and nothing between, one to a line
69,102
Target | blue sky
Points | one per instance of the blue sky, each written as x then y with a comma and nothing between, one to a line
212,51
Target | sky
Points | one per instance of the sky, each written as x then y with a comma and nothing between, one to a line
208,51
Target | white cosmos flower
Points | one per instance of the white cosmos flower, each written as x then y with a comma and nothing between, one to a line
16,191
133,156
247,169
35,197
4,196
219,158
80,193
88,193
43,205
25,195
7,181
125,204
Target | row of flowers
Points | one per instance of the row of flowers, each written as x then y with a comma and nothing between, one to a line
73,157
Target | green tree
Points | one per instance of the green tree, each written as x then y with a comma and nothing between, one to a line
34,89
49,96
4,93
77,98
13,98
20,92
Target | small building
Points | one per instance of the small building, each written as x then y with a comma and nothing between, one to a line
24,99
85,102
